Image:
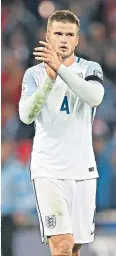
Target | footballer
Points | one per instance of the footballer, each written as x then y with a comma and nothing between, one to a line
61,95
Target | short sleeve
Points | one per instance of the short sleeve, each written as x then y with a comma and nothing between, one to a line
94,73
28,83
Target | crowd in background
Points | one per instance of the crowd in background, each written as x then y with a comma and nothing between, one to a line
23,24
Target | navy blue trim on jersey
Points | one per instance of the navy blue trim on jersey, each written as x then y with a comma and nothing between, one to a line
94,216
94,78
92,113
78,60
40,216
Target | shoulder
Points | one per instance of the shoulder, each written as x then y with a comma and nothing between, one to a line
39,66
95,65
34,69
91,68
94,69
88,63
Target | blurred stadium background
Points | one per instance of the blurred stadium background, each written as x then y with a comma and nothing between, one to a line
23,24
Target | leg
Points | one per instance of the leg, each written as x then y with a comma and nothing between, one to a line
61,245
83,207
76,249
53,208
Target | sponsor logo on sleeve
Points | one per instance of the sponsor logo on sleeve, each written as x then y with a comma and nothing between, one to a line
80,74
98,73
50,221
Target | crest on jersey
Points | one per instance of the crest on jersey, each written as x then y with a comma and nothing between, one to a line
98,73
50,221
80,74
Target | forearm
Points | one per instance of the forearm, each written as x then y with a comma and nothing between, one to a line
85,90
30,107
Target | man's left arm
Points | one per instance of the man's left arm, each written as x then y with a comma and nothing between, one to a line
91,89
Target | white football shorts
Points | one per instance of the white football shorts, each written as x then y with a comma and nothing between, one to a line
66,207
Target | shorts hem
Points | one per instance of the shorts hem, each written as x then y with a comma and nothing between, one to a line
45,238
84,241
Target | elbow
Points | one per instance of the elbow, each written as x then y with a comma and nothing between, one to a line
97,100
26,121
24,117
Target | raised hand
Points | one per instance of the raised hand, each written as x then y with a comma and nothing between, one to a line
47,55
50,72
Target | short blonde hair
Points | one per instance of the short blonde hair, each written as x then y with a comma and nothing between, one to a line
63,16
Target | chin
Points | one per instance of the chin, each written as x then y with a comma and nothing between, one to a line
63,54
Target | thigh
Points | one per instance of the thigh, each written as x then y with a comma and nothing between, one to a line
83,210
52,206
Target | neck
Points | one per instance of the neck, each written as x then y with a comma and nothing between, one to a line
69,60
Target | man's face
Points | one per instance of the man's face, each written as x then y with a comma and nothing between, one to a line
63,38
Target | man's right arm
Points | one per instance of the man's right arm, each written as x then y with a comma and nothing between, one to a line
33,98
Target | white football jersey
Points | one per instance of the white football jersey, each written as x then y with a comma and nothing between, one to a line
62,146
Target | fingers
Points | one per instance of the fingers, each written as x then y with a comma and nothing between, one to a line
43,59
42,49
42,54
48,46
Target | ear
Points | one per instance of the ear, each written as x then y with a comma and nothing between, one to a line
47,37
77,41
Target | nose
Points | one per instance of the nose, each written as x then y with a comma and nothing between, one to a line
63,39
